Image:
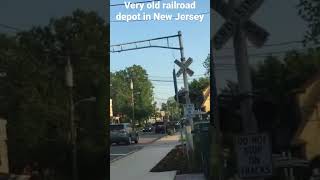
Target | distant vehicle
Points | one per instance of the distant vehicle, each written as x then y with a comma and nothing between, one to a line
160,127
177,125
147,128
123,133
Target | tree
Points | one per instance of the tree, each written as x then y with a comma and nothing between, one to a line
309,11
196,88
274,80
206,65
142,92
173,109
37,98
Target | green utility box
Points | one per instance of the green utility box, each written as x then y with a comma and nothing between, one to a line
201,145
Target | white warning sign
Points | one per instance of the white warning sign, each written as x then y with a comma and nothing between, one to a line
254,155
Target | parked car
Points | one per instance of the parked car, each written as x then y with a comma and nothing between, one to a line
123,133
147,128
160,127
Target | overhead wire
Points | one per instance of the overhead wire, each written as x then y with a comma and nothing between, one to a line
221,56
257,55
270,45
270,53
10,27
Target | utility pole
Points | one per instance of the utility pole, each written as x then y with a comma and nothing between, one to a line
189,123
177,97
69,83
249,123
183,64
244,77
238,24
132,98
215,133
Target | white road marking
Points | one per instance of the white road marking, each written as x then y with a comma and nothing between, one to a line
118,154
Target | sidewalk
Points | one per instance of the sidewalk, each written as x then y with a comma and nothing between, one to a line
150,138
137,165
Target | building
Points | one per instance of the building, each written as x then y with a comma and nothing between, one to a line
111,110
308,107
113,119
4,163
206,103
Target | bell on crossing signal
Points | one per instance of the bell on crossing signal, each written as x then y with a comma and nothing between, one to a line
181,96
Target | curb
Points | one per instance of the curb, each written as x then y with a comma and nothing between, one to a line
156,139
118,158
115,159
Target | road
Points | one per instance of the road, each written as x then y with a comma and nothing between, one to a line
119,151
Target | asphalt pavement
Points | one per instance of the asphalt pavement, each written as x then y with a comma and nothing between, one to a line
120,151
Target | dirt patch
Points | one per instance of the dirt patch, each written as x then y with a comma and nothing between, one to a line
175,160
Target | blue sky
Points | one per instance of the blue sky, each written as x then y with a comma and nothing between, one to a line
159,63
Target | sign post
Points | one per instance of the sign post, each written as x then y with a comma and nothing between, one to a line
185,71
254,159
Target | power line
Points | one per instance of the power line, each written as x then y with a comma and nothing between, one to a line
271,44
271,53
161,99
168,81
170,77
139,2
157,80
10,27
222,56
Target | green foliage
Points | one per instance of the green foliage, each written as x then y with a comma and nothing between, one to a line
36,103
196,89
274,81
309,11
121,93
172,109
206,65
278,77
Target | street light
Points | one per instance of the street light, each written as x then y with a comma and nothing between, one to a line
69,84
132,99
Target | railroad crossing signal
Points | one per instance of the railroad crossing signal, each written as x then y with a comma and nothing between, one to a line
256,34
184,67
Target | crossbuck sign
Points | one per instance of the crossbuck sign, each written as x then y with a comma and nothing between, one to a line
257,35
184,66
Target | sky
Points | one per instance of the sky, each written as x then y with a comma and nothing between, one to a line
279,18
159,63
